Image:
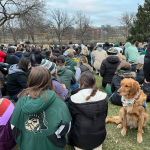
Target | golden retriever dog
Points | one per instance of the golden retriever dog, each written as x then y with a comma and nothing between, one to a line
132,114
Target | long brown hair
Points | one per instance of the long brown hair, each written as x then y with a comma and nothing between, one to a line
39,80
88,80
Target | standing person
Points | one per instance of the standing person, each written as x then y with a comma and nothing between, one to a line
98,56
7,141
40,119
61,90
131,53
88,107
82,67
109,66
91,46
17,78
70,63
65,75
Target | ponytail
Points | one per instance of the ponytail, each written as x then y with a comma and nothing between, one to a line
94,90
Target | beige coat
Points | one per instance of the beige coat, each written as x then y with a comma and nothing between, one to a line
99,56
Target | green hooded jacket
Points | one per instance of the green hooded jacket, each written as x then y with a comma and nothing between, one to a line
35,122
131,53
71,64
66,77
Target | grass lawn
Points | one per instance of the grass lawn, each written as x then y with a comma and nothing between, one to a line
114,140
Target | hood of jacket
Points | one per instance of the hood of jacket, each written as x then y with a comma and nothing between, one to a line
35,106
61,70
26,54
89,108
19,53
126,75
128,44
69,61
113,59
13,59
14,69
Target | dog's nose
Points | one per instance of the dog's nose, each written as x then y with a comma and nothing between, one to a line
118,92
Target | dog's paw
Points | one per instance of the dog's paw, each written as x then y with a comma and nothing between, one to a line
123,132
119,126
139,138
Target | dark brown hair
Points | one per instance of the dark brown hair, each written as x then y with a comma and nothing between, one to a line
28,49
39,80
47,53
88,80
53,59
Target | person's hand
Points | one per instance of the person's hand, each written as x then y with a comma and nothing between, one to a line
63,85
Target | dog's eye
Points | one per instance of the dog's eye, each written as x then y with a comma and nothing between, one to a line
126,86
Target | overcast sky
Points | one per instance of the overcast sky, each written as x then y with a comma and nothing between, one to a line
101,12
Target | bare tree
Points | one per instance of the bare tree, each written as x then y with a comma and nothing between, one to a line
60,22
83,29
10,9
126,20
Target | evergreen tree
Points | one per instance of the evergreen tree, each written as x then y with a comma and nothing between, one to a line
140,31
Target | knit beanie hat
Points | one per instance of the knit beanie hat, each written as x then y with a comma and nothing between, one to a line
141,59
116,45
49,65
143,53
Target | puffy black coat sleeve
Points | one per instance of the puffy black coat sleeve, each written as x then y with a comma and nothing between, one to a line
140,76
71,107
103,69
146,67
22,80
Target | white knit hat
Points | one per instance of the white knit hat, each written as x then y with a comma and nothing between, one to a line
141,59
49,65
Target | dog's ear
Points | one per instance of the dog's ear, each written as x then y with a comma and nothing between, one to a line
134,89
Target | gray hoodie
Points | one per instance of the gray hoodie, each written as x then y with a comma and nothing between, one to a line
13,69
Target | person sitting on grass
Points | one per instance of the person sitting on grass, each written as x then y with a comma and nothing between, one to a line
82,67
70,63
40,119
88,107
123,71
65,75
17,77
61,90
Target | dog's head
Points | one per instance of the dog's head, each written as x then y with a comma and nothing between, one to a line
129,88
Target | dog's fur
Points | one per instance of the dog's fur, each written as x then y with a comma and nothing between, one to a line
135,115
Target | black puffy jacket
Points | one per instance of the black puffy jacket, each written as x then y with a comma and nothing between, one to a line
88,119
38,56
108,69
140,76
26,54
146,90
146,67
115,85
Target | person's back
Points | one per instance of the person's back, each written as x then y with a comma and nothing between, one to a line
42,115
10,52
38,56
109,66
131,53
88,113
70,63
99,56
17,77
66,77
7,141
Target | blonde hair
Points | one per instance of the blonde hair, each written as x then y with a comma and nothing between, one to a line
140,45
46,46
85,51
83,61
140,66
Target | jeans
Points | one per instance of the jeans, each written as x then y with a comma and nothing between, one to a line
3,65
14,97
74,86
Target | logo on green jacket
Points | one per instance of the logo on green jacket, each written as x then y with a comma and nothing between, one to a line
36,123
